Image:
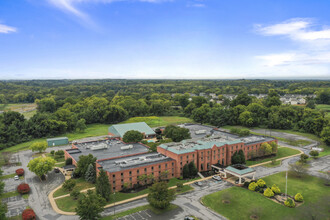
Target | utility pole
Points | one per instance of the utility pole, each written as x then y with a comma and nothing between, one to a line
114,206
286,185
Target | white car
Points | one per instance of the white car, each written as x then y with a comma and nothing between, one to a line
218,178
16,178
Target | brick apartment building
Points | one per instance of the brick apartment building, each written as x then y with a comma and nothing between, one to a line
124,163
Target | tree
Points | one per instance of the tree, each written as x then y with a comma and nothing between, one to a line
90,206
46,105
274,146
253,186
185,171
325,135
192,169
276,189
28,214
311,104
265,149
41,165
68,161
242,99
241,156
160,196
235,159
314,153
261,183
179,186
298,170
132,137
103,186
176,133
39,146
23,188
83,163
81,125
69,184
3,210
90,174
303,158
75,194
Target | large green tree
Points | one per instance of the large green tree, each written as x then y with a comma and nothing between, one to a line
39,146
41,165
103,186
160,196
176,133
132,136
90,206
83,164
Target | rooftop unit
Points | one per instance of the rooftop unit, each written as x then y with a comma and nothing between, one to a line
200,132
140,160
99,146
252,139
126,147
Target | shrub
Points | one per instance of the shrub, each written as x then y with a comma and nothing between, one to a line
75,194
314,153
303,158
28,214
246,184
59,154
290,203
20,172
298,197
69,184
261,190
252,186
23,188
68,161
179,186
268,193
261,183
52,152
276,189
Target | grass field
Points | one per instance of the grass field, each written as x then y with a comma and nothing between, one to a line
244,200
270,165
27,109
9,194
102,129
80,185
7,176
281,152
68,204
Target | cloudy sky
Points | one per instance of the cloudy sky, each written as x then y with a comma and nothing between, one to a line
164,39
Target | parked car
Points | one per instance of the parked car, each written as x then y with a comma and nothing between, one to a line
188,218
56,170
16,177
242,180
199,183
217,178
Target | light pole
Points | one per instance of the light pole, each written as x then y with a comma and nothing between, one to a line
286,185
114,204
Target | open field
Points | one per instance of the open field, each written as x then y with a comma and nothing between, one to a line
325,108
68,204
102,129
244,200
27,109
281,152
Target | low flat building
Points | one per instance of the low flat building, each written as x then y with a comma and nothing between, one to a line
118,131
57,141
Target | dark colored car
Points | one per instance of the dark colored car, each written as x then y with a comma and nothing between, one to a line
56,170
188,218
199,183
242,180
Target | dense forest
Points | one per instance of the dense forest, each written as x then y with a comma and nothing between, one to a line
68,105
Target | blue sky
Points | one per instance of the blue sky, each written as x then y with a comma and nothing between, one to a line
164,39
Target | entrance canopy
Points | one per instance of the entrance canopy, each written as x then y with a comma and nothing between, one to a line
239,171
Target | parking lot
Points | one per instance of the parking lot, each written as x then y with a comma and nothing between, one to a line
15,205
198,131
149,215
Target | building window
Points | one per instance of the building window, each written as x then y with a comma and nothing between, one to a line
172,164
208,166
130,179
122,180
181,158
208,153
193,155
218,150
232,147
202,167
114,182
166,165
187,161
145,169
130,173
159,166
113,176
138,171
152,168
122,174
187,157
181,163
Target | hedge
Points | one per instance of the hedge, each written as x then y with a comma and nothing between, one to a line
268,193
23,188
298,197
20,172
28,214
290,203
276,189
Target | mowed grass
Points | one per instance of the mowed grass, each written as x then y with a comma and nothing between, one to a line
323,107
281,152
270,165
68,204
7,176
94,130
81,184
243,200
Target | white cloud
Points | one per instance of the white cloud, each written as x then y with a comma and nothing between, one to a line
4,29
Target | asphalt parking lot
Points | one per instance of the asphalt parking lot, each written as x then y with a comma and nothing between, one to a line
149,215
15,205
11,184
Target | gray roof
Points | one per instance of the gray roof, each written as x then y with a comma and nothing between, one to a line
113,149
115,165
120,129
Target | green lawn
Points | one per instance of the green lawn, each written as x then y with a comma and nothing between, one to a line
244,200
68,204
80,185
270,165
29,114
7,176
140,208
323,107
93,130
9,194
281,152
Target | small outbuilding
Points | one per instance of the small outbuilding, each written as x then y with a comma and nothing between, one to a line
57,141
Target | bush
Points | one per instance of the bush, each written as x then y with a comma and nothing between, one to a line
268,193
261,190
132,136
20,172
276,189
28,214
59,154
290,203
261,183
52,152
246,184
23,188
69,184
252,186
179,186
303,158
75,194
314,153
68,161
298,197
